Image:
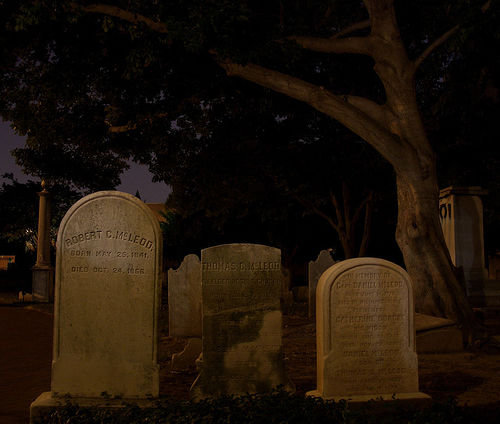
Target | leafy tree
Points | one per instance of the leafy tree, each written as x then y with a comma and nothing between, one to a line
19,223
134,63
19,210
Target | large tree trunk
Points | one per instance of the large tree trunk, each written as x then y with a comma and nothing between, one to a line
437,290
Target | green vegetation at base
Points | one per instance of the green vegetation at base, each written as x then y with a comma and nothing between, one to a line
277,407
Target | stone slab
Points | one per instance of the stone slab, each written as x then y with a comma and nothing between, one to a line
108,289
184,298
365,331
440,340
242,321
42,283
425,322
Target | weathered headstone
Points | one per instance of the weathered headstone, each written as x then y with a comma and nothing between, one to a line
106,301
184,309
315,269
242,321
365,332
184,298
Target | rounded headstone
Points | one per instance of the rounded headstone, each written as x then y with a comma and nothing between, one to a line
107,298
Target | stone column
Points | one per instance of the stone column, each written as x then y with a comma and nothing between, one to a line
43,272
461,214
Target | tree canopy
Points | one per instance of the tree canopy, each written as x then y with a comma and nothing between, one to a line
95,78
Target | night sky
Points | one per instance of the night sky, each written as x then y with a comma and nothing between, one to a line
136,178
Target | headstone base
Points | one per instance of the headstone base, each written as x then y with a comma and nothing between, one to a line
42,287
437,335
372,397
46,403
440,340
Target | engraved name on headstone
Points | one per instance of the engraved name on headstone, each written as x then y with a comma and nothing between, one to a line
242,321
365,332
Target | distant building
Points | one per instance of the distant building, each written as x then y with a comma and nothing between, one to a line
5,260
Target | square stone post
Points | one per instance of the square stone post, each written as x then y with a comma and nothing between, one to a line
461,215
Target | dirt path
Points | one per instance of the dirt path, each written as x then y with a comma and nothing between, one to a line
26,351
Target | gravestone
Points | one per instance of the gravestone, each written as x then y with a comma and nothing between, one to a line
461,215
242,321
315,269
184,309
106,305
365,332
184,298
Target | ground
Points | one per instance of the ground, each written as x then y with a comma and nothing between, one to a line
472,376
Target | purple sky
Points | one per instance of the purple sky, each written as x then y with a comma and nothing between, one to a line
136,178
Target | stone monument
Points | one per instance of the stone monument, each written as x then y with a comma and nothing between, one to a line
314,271
184,309
106,305
42,286
365,332
461,215
242,321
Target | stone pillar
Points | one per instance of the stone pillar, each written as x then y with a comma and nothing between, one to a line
461,215
43,272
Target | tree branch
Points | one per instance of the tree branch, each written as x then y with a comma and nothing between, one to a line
443,38
130,126
340,218
317,211
346,196
117,12
351,28
354,45
375,133
369,108
367,226
434,45
357,213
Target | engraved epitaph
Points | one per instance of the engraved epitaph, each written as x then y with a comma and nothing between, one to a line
242,321
365,332
107,298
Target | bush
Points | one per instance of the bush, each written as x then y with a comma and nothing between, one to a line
278,407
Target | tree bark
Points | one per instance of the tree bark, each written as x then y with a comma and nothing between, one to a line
437,290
